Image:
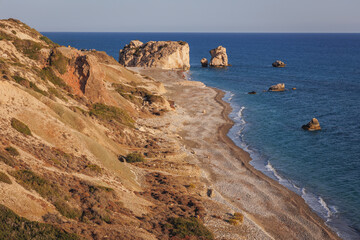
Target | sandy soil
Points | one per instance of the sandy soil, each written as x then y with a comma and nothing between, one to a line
271,211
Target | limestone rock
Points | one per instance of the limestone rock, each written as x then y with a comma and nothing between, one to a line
278,63
313,125
204,62
280,87
161,54
219,57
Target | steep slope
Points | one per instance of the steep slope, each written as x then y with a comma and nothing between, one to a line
68,119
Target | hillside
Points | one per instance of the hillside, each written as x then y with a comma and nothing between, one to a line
75,161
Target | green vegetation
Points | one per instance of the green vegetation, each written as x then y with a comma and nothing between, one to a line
29,48
8,160
134,157
16,227
4,36
188,227
49,74
182,43
31,180
59,61
137,95
111,113
56,93
237,219
20,127
48,41
94,168
66,210
4,178
12,151
24,82
13,31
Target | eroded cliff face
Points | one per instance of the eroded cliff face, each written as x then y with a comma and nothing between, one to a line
66,118
161,54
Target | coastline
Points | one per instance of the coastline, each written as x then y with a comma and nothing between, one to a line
271,210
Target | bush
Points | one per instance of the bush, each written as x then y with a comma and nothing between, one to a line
188,227
66,210
48,41
59,61
48,74
16,227
7,160
29,48
94,168
134,157
111,113
30,180
12,151
233,222
4,178
237,219
13,31
24,82
20,127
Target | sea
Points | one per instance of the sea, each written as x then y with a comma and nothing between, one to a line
323,167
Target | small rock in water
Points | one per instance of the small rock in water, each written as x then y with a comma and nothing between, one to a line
204,62
278,64
277,88
294,88
253,92
313,125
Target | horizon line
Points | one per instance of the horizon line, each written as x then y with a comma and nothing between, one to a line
204,32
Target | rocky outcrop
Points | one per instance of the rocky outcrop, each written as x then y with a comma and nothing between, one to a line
313,125
219,57
278,64
161,54
204,62
280,87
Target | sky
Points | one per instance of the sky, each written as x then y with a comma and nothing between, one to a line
186,15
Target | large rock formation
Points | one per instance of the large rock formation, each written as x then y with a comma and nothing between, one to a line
278,64
313,125
280,87
161,54
219,57
204,62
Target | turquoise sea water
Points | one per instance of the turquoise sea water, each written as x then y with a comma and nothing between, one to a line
323,167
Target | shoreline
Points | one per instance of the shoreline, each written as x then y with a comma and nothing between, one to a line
274,212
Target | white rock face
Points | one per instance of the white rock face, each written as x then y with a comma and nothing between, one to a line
161,54
219,57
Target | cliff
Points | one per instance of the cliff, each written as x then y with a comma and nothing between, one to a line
78,149
161,54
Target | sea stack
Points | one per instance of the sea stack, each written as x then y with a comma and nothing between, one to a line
278,64
313,125
219,57
204,62
160,54
280,87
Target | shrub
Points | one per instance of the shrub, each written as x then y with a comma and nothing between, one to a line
188,227
94,168
134,157
20,127
29,48
4,36
66,210
24,82
7,160
59,61
12,151
48,41
233,222
48,74
182,43
111,113
14,32
16,227
30,180
4,178
237,219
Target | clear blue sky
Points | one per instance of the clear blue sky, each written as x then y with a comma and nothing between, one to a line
186,15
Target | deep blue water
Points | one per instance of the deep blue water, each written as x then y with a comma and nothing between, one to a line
323,167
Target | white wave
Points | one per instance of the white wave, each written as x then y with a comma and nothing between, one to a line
325,206
228,96
271,169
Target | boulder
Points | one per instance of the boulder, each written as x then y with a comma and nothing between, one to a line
278,64
219,57
253,92
280,87
156,54
313,125
204,62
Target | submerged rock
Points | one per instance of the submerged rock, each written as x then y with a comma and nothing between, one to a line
280,87
204,62
219,57
313,125
278,64
161,54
